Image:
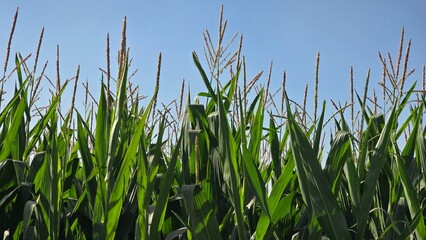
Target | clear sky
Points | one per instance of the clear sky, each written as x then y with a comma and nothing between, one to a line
289,33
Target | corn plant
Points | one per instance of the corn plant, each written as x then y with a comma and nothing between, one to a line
229,165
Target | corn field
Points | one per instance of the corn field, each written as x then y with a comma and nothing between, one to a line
238,162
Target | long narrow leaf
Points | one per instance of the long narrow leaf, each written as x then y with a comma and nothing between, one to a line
370,182
324,205
227,149
121,185
163,196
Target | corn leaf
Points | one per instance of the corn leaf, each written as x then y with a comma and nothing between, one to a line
227,151
370,182
255,180
317,188
203,223
122,183
166,183
41,125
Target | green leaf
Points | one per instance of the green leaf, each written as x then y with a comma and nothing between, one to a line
115,130
29,208
86,157
227,152
101,134
204,224
274,200
256,182
318,131
256,130
10,139
203,76
142,175
123,178
162,199
339,154
11,174
275,148
376,163
285,205
41,125
411,197
316,186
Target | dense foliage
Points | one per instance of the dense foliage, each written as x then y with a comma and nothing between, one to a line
230,168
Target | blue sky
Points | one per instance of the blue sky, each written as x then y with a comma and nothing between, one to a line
289,33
